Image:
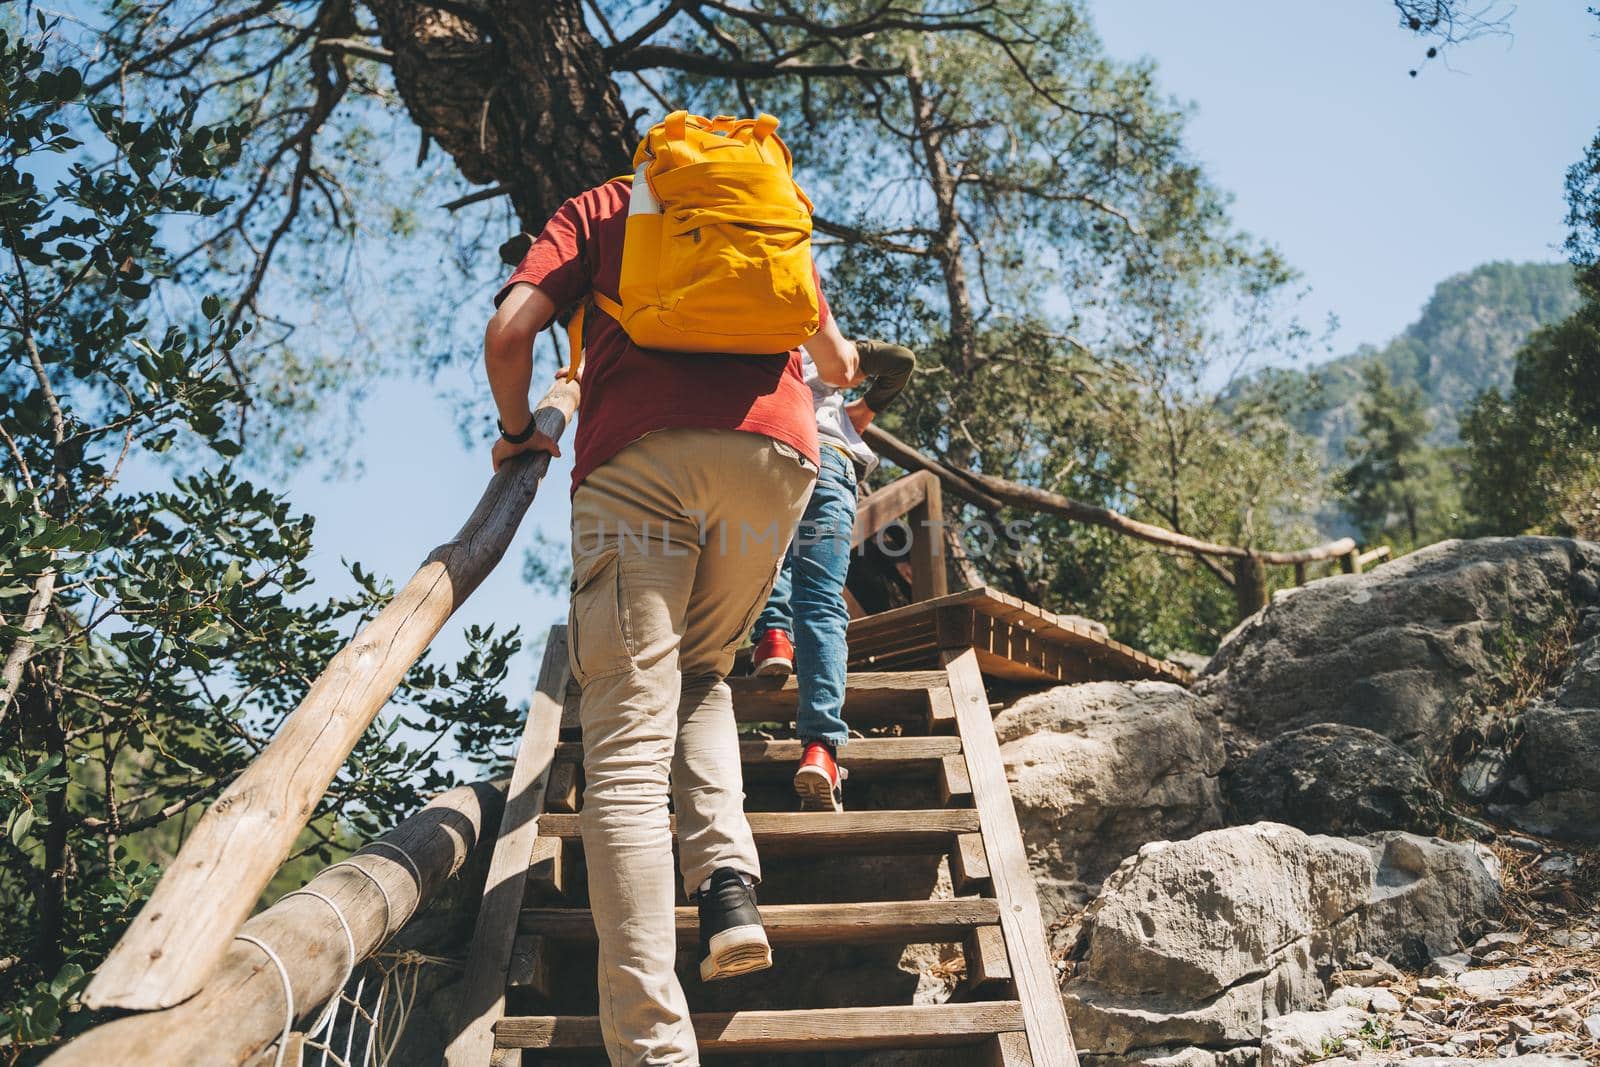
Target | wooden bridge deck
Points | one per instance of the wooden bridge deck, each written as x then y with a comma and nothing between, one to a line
1013,639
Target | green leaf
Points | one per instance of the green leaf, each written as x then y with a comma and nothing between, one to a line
21,823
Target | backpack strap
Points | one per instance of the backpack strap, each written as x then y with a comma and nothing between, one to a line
599,299
575,327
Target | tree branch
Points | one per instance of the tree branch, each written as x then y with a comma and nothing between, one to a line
654,56
986,490
361,49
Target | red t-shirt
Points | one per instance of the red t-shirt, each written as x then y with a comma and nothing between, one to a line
629,391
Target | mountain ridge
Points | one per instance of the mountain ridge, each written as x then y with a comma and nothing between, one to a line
1464,341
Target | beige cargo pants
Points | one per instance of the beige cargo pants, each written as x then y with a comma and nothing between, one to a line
675,544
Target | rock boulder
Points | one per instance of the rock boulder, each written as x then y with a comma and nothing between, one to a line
1199,942
1099,769
1556,759
1332,779
1395,650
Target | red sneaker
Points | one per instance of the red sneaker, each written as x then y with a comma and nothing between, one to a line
774,655
816,783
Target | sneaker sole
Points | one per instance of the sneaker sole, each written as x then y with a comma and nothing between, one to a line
775,668
815,791
740,950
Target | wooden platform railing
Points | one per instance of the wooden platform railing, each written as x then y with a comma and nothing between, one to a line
919,501
240,1012
186,927
1242,568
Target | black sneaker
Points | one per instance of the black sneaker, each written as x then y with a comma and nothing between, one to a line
732,939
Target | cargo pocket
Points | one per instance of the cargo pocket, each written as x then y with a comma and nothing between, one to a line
597,637
754,613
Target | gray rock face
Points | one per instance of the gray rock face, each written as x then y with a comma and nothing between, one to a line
1424,896
1098,770
1332,779
1395,650
1200,942
1557,762
1560,762
1299,1037
1581,686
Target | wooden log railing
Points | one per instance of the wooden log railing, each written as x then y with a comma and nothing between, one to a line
187,926
1245,572
241,1010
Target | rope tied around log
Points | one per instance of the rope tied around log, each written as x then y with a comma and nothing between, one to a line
330,1012
326,1021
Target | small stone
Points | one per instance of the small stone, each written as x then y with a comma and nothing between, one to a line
1487,982
1561,865
1519,1025
1522,844
1484,774
1351,996
1575,938
1535,1042
1494,956
1565,1018
1449,966
1385,1002
1426,1004
1592,1026
1495,939
1380,973
1351,1047
1435,1048
1431,987
1467,1038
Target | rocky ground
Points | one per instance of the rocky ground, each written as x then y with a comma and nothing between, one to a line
1367,835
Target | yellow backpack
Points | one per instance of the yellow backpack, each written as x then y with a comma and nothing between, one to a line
717,253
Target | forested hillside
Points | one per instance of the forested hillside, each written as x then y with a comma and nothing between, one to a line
1464,342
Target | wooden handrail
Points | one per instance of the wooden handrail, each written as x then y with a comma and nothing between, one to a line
991,493
240,1012
185,928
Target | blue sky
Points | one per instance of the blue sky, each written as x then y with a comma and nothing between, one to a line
1374,184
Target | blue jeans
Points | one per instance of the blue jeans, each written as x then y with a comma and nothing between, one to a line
807,600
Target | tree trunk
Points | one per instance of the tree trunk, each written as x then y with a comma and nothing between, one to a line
947,248
518,93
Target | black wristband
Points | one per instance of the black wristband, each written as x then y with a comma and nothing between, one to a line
518,438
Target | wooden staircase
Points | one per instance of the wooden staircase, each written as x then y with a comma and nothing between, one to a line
930,751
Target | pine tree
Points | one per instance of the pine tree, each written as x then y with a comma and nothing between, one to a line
1395,479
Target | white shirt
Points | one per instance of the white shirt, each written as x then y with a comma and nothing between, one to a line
833,425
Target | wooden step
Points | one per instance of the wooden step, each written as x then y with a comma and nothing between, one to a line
809,1030
870,698
875,833
893,922
864,757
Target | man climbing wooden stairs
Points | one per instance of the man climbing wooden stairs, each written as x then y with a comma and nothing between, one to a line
929,738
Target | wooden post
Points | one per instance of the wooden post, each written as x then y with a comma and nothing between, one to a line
1249,585
239,1014
1049,1039
928,578
184,930
1299,574
1350,562
483,986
